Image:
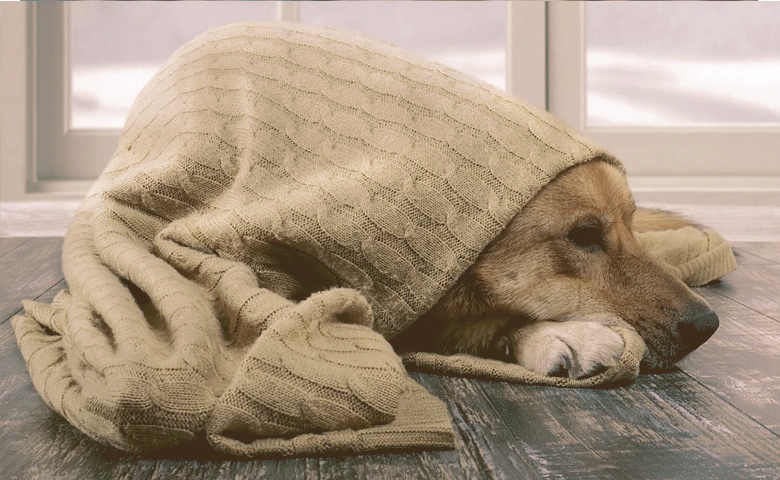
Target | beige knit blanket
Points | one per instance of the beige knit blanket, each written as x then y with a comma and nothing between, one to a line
283,199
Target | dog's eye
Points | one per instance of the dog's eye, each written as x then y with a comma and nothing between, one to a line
588,237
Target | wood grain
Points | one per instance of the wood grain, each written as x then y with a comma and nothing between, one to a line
666,426
716,416
754,286
27,271
746,258
768,251
745,371
8,244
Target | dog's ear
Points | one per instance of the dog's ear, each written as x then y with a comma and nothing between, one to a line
653,220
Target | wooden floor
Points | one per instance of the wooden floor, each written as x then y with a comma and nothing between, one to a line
716,416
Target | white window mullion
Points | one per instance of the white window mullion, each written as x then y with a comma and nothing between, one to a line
288,12
566,62
526,52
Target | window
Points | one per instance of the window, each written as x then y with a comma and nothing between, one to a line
116,47
684,93
650,64
468,36
87,83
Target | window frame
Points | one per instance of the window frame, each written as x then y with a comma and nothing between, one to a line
91,147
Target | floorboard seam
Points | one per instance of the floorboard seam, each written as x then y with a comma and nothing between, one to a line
746,306
16,247
21,309
727,401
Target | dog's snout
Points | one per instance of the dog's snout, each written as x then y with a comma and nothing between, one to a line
697,325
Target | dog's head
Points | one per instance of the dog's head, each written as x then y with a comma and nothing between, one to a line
572,251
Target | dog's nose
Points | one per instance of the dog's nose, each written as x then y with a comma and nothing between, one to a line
697,326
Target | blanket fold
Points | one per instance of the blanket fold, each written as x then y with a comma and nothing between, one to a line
284,199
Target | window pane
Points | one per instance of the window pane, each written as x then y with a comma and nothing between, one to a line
683,63
115,47
468,36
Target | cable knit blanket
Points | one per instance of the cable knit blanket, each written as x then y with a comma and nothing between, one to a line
284,199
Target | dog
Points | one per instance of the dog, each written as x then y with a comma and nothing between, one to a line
542,293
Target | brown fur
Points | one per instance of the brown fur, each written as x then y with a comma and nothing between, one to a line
569,254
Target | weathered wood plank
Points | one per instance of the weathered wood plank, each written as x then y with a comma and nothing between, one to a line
744,370
737,319
663,426
744,257
28,271
754,286
8,244
768,251
741,362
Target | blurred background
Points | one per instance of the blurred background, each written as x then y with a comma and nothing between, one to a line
655,63
686,94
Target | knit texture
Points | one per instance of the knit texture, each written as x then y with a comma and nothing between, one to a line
693,256
283,199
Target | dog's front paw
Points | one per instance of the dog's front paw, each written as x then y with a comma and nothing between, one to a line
573,348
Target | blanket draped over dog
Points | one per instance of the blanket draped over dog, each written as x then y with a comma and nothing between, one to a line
284,199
